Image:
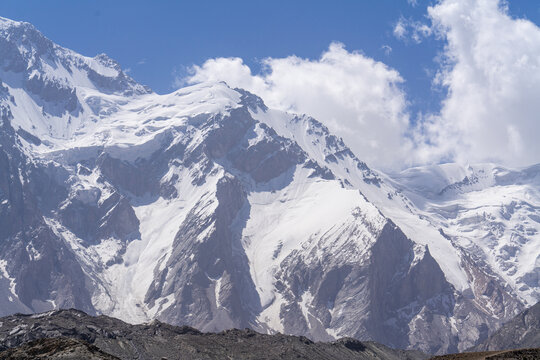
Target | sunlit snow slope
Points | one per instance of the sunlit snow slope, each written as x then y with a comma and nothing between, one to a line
204,207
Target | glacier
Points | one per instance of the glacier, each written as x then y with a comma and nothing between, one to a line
205,207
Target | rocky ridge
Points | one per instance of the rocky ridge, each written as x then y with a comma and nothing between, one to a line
522,332
204,207
68,333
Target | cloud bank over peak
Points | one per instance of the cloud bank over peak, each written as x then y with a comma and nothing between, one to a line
355,96
490,68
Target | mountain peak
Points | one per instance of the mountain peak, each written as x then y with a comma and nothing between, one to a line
25,36
6,23
27,53
105,60
204,207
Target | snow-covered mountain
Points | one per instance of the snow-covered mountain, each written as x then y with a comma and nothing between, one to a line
204,207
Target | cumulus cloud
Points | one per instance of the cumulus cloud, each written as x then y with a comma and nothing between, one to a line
492,73
357,97
490,67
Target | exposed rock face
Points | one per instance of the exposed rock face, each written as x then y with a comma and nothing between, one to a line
340,287
56,348
70,333
521,332
204,207
39,270
204,301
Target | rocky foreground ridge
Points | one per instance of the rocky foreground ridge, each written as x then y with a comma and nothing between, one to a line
72,334
204,207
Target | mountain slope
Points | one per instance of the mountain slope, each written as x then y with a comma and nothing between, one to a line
522,332
488,210
204,207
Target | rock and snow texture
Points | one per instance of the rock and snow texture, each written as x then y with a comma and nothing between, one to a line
204,207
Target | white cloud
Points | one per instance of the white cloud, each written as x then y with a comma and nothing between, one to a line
406,29
492,73
400,29
356,97
387,49
490,66
420,31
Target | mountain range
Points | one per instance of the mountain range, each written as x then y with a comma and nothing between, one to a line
204,207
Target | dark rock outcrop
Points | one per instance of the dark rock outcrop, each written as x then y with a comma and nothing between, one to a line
56,348
67,334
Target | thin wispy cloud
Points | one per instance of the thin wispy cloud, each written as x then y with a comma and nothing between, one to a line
400,30
409,29
387,49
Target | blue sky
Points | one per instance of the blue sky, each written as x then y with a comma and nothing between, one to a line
157,41
160,40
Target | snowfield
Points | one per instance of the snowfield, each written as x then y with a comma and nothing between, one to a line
204,207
